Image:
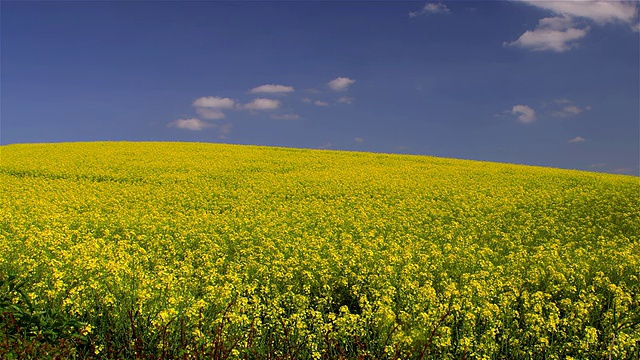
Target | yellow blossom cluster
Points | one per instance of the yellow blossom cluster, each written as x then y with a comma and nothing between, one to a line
323,254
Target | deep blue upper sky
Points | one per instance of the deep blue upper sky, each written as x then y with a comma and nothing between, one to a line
543,83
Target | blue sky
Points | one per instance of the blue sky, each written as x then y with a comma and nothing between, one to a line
540,83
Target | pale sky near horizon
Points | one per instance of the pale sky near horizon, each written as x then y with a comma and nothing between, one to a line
549,83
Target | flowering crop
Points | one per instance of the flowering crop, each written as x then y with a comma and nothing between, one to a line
179,249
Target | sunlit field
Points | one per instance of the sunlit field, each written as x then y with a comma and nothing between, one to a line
186,250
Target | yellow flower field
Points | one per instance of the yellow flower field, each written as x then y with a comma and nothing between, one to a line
187,250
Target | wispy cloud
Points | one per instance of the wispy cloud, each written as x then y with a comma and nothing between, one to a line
568,111
192,124
320,103
525,114
598,165
285,116
224,130
359,140
327,145
431,8
340,83
577,139
563,108
346,100
262,104
272,89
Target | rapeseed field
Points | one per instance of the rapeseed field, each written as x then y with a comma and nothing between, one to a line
187,250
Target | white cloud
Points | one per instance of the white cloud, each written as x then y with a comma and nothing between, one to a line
262,104
320,103
559,33
346,100
190,124
576,139
208,107
431,8
307,100
526,114
552,34
272,89
210,113
601,12
340,84
214,102
436,8
285,116
359,140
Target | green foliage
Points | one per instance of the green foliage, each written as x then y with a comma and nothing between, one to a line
28,332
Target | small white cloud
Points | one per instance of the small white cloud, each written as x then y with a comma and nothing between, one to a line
190,124
262,104
552,34
285,116
210,113
272,89
572,109
320,103
214,102
576,139
567,111
526,114
340,84
359,140
307,100
346,100
431,8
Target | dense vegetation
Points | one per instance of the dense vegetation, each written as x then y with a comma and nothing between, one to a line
175,250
